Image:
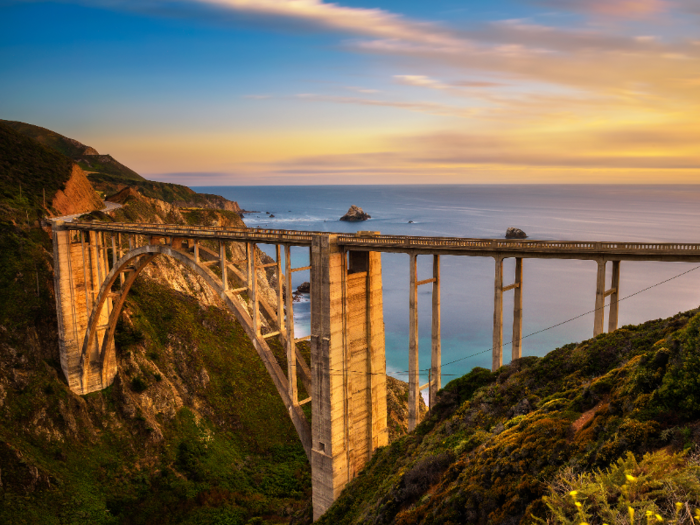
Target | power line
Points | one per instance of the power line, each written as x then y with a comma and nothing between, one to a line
528,335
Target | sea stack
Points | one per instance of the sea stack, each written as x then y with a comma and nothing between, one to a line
515,233
355,214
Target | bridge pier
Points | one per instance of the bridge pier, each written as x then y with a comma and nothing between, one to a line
517,286
348,366
435,376
78,270
602,293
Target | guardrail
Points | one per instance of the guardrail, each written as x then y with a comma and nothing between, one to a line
213,232
389,242
458,243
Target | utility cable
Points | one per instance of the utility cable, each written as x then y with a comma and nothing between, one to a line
528,335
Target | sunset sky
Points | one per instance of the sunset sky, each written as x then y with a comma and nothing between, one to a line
231,92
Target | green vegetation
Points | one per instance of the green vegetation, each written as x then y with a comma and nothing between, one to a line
50,139
28,172
508,447
661,488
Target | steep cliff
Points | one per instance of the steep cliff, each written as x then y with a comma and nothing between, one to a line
77,196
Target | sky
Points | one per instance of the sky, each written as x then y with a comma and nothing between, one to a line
277,92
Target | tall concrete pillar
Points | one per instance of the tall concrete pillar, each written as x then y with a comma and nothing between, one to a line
222,258
76,285
436,351
599,316
518,310
614,296
289,327
413,351
497,351
348,367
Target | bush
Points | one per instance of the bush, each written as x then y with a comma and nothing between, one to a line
423,474
661,486
138,384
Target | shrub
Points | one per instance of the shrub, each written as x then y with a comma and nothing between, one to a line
138,384
423,474
661,486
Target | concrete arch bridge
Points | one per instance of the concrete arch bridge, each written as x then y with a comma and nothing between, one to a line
95,265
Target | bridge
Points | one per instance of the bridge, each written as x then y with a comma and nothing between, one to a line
97,263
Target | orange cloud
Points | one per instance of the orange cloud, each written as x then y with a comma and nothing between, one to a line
618,8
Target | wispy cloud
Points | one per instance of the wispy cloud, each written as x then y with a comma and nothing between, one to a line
421,107
617,8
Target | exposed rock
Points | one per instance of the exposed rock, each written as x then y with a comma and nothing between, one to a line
124,196
410,222
355,214
304,287
77,196
515,233
397,408
271,216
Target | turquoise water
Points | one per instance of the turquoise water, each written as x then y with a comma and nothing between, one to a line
553,290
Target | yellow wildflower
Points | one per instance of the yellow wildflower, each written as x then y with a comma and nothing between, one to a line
631,513
578,504
573,493
630,477
659,518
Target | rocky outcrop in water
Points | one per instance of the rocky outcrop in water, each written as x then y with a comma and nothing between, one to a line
355,214
515,233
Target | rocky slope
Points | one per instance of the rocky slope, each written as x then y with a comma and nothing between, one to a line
510,447
36,181
77,196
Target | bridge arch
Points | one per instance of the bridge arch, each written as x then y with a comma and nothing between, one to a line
133,263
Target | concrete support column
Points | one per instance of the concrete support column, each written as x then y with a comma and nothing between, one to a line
436,351
76,283
288,324
196,250
497,355
88,298
518,310
413,351
253,265
614,296
348,409
222,257
122,278
599,317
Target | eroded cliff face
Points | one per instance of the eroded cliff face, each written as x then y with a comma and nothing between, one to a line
77,196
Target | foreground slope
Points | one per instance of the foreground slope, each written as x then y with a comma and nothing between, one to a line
507,447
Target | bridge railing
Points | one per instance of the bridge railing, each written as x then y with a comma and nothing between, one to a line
457,243
215,232
394,242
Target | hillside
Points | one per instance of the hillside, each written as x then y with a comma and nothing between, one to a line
510,447
109,176
36,181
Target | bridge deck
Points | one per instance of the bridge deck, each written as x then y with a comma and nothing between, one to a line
681,252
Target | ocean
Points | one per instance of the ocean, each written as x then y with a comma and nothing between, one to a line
553,290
